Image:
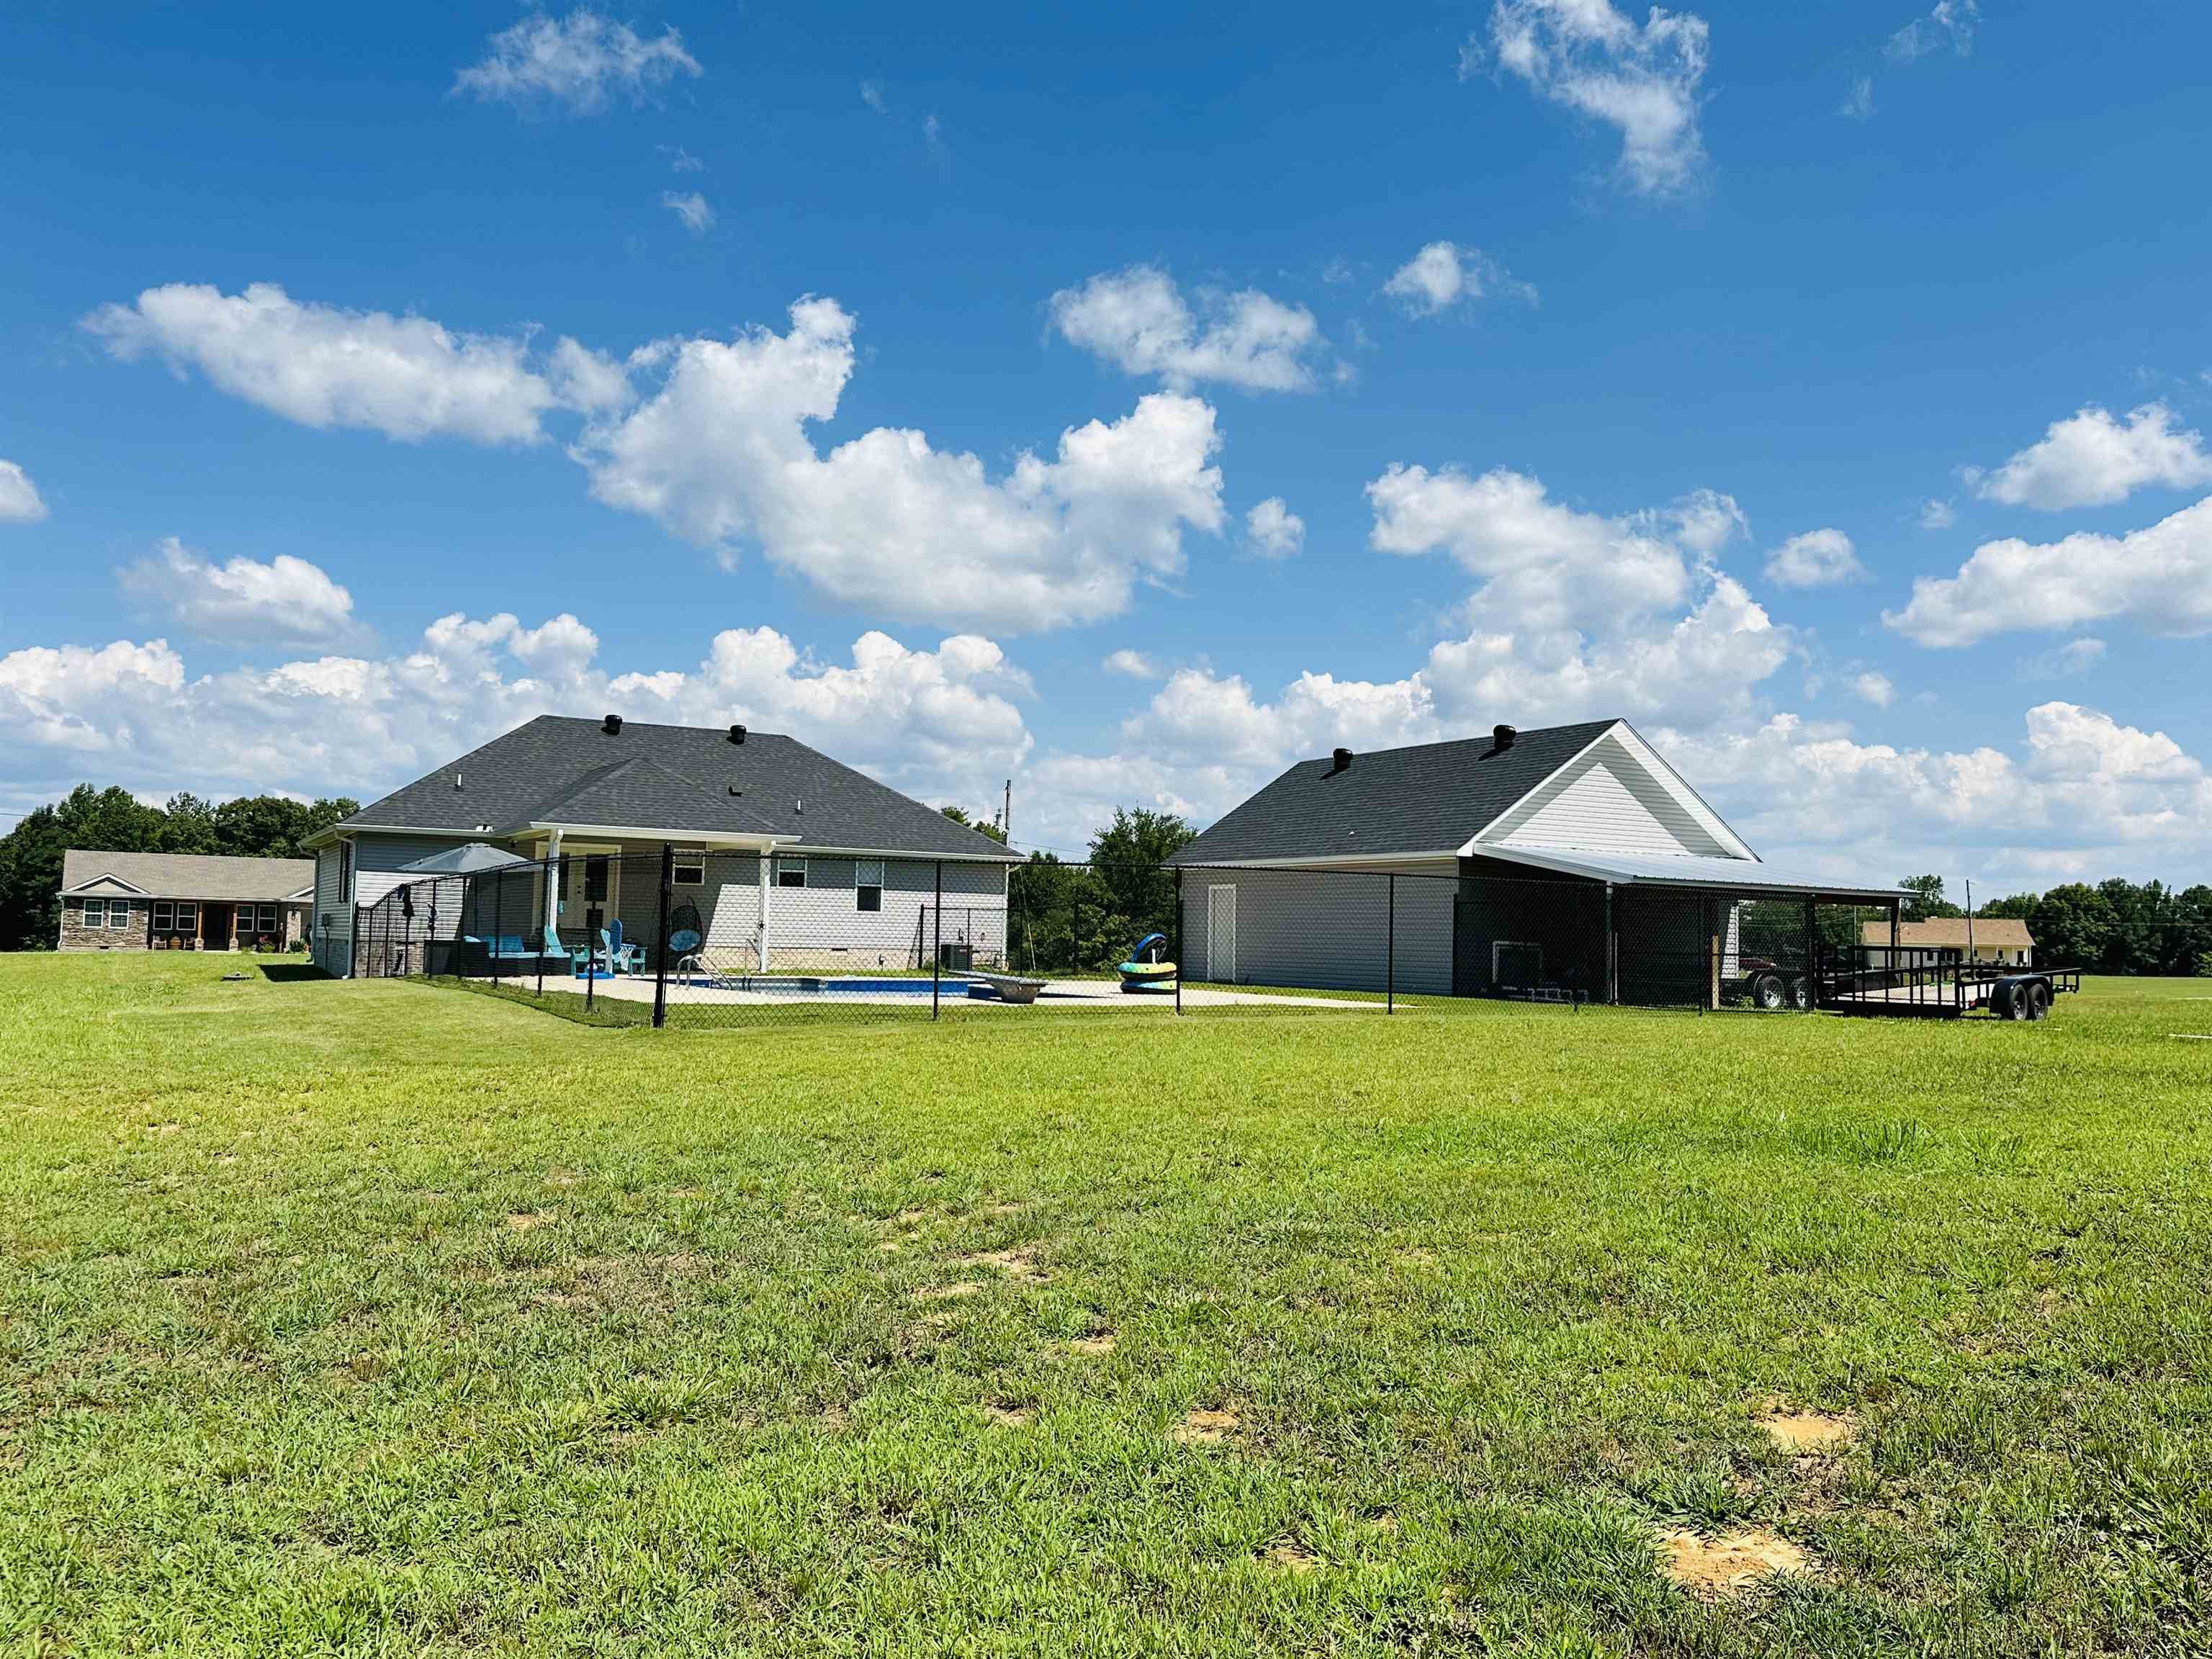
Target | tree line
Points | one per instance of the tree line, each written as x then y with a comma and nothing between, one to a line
2116,927
113,820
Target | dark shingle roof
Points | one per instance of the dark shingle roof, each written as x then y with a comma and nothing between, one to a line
1427,798
557,770
191,875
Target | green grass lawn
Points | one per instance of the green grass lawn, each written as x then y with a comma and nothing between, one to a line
384,1317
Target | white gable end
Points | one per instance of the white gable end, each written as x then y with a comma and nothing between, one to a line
1615,797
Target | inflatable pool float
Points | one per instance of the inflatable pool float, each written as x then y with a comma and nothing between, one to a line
1144,971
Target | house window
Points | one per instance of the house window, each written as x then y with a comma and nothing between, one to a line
164,916
867,883
690,868
791,873
107,912
595,879
345,869
188,917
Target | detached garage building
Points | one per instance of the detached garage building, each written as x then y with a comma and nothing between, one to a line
1571,861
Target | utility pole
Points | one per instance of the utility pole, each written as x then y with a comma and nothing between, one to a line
1006,814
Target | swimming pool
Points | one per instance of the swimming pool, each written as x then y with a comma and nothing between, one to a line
816,986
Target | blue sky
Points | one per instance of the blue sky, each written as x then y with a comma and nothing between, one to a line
368,384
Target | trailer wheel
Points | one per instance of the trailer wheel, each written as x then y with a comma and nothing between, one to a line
1801,994
1767,993
2012,1001
2036,996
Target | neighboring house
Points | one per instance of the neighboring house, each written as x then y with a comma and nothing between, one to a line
181,901
1572,859
2002,940
790,858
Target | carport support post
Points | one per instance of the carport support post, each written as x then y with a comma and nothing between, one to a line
660,939
1611,952
546,931
937,941
1390,947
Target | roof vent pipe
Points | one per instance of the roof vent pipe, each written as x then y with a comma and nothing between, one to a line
1503,736
612,725
737,734
457,777
1339,761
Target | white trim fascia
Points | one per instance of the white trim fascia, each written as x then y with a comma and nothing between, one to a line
640,832
1468,850
1312,860
141,892
323,838
1653,762
1681,788
906,853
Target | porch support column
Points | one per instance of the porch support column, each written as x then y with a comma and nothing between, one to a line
553,883
766,857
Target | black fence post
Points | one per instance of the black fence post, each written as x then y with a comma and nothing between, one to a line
591,956
660,937
1812,954
1390,949
937,941
1182,967
498,926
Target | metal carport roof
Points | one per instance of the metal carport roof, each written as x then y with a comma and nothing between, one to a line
1685,871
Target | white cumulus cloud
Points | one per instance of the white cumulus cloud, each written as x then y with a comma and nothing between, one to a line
1443,274
407,377
1134,664
1950,24
2091,459
2159,578
2069,661
1137,320
1818,558
577,62
1640,78
286,600
1273,530
691,207
940,723
1875,688
20,502
720,453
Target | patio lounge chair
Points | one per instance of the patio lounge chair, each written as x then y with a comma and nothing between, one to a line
620,956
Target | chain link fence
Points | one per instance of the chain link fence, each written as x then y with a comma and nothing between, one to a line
714,938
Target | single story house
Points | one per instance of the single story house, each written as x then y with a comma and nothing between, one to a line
2004,941
786,858
1569,860
181,901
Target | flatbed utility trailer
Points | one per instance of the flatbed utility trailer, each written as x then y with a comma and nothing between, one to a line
1946,987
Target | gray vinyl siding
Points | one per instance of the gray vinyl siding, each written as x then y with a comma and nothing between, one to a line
1329,929
1606,801
331,922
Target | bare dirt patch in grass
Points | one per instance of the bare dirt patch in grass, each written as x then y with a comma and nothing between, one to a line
1808,1433
1011,1417
527,1221
1203,1427
1018,1264
1097,1345
1291,1556
1729,1564
965,1287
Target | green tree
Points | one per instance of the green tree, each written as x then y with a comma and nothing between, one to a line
1924,900
2072,926
1128,859
981,826
190,825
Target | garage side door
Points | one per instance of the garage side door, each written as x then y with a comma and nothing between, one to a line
1221,935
